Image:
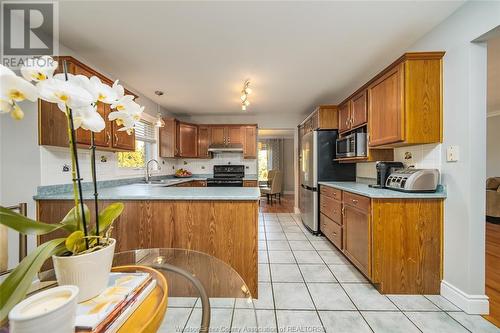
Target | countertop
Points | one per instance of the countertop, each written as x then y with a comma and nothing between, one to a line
162,192
377,193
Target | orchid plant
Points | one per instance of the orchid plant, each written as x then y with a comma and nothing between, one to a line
77,96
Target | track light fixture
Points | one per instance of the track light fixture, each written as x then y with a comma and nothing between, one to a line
244,95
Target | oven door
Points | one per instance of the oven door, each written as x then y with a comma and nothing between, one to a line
345,147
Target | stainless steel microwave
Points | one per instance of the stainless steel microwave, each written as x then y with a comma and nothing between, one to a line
352,145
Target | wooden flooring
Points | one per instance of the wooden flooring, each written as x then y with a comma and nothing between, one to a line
286,205
493,271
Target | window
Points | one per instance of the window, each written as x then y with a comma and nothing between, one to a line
263,156
144,147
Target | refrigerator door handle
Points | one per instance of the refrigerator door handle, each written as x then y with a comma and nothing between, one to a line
314,189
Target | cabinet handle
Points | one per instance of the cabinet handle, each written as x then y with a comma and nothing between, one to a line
116,138
343,211
354,201
108,137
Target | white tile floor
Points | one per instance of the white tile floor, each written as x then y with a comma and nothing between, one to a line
307,285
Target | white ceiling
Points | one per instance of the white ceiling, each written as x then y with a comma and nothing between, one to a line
493,100
296,54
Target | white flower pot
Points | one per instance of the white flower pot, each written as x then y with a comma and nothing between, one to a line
51,310
90,271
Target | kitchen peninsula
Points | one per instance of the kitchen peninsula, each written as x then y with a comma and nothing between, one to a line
220,221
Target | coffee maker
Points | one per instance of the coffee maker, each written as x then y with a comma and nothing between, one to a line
384,169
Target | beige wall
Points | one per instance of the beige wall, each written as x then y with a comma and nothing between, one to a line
493,147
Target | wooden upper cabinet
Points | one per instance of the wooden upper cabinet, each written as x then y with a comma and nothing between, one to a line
167,146
359,110
250,144
187,139
405,102
323,117
386,108
234,135
344,117
203,142
121,139
52,123
218,135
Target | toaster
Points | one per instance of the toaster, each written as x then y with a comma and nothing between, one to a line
413,180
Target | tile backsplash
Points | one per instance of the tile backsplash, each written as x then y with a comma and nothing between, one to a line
205,166
420,156
55,162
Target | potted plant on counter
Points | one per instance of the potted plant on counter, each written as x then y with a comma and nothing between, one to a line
84,257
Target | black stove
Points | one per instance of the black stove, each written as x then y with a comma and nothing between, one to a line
227,176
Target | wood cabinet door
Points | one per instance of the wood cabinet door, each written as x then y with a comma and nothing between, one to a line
385,108
344,117
167,139
359,111
235,134
250,144
217,135
187,139
356,237
121,139
203,142
250,183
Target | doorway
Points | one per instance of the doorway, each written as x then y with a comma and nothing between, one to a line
492,278
276,169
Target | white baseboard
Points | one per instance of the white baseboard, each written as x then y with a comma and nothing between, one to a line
288,192
471,304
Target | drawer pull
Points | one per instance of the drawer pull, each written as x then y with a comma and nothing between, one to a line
354,201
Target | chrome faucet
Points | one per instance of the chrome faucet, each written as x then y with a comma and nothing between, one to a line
148,175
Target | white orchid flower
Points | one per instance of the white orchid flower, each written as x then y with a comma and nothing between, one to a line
5,106
88,118
64,93
105,93
128,115
17,89
6,71
122,103
119,90
39,69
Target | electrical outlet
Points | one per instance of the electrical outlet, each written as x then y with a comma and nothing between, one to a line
452,154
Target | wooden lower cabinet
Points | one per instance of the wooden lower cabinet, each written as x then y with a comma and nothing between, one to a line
193,183
331,230
357,237
250,183
226,230
395,243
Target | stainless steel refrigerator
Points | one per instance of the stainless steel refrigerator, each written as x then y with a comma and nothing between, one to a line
317,164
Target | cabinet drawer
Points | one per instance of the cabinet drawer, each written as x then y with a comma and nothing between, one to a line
331,208
358,201
331,192
331,230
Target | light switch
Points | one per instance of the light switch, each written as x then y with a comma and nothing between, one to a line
452,154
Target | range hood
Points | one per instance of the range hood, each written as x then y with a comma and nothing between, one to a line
226,148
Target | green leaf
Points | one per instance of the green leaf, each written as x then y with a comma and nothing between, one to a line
70,221
107,216
16,285
75,241
25,225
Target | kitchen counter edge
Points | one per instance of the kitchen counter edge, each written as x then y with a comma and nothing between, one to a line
377,193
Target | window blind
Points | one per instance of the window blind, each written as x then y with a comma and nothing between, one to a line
145,131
